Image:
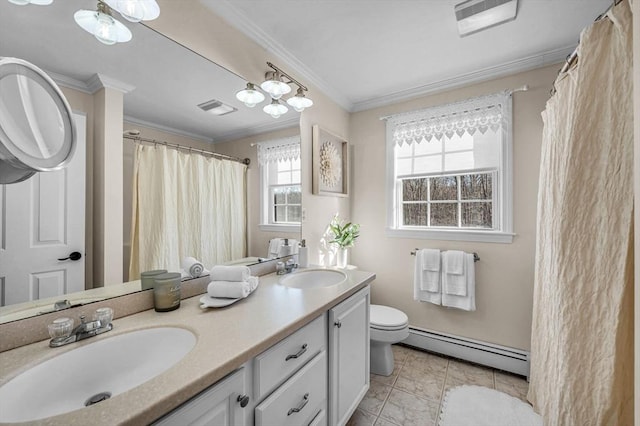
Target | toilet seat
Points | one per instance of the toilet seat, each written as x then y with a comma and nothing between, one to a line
386,318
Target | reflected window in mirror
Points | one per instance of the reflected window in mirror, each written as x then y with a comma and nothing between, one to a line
280,184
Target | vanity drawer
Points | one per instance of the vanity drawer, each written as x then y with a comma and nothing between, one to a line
276,364
320,419
299,399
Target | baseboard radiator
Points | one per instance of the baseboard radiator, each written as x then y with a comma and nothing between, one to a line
495,356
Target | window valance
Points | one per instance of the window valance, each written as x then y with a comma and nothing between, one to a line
279,150
469,116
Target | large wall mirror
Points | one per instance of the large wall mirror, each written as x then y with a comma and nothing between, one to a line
163,84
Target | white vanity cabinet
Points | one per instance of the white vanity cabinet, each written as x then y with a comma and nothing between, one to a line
223,404
348,356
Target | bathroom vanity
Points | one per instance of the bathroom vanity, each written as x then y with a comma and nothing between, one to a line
284,355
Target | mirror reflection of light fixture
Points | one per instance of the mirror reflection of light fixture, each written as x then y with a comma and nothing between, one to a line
276,87
135,10
275,108
250,96
102,25
38,2
299,102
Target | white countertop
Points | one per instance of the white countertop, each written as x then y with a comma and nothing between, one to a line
226,339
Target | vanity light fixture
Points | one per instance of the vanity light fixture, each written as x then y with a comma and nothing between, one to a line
102,25
135,10
275,108
276,86
250,96
37,2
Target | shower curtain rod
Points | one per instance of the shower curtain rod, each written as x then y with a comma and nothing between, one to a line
246,161
573,56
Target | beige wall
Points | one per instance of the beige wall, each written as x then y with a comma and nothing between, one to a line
83,103
504,276
258,241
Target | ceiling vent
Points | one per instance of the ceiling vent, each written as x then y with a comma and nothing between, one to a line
477,15
216,107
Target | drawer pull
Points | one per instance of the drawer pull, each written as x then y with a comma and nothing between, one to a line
299,354
338,323
243,400
305,400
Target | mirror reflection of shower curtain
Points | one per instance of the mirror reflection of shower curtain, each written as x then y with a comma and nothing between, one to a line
582,329
185,204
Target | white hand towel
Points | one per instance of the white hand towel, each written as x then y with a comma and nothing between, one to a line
186,274
253,283
274,247
468,302
230,273
421,289
428,270
192,266
454,277
229,289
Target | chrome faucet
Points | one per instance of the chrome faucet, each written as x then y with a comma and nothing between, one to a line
83,331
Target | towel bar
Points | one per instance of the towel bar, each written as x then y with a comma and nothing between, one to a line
476,258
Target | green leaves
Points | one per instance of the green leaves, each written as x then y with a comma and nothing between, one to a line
344,235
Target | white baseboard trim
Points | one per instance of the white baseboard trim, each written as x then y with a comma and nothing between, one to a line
495,356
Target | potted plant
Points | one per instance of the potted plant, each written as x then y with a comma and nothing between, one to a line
344,236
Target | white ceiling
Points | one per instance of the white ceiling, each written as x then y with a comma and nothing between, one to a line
361,53
365,53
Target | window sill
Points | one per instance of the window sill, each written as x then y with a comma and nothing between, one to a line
279,228
453,235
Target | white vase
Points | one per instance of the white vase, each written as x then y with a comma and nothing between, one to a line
342,257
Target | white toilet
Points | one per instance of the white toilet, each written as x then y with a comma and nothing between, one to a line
388,326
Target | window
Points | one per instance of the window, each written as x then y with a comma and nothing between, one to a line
449,171
281,190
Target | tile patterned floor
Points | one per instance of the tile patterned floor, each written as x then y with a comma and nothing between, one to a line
412,394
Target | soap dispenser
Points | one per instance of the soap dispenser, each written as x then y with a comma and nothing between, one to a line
303,255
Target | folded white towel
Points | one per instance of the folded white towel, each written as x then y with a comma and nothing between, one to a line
230,273
192,266
426,284
427,270
232,289
454,277
274,247
430,259
468,302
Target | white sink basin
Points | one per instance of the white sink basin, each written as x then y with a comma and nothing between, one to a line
113,365
313,278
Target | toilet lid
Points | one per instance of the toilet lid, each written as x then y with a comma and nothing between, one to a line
387,318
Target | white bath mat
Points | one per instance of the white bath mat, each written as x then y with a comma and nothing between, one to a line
480,406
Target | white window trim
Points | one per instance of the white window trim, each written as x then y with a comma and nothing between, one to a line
505,195
265,224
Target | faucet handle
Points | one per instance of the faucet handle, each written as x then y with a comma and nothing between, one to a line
82,318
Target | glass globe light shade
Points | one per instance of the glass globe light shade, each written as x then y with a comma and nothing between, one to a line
274,86
135,10
250,96
106,29
275,109
299,102
37,2
20,2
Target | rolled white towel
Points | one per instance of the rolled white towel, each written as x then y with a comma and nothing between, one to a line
253,282
229,289
193,267
186,274
230,273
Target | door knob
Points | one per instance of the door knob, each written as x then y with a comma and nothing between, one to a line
73,256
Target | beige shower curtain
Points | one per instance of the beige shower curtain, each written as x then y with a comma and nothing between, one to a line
582,336
185,204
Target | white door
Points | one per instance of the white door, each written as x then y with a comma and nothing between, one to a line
41,221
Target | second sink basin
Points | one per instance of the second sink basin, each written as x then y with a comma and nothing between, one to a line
92,373
313,278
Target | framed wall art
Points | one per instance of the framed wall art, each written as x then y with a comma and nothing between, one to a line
330,164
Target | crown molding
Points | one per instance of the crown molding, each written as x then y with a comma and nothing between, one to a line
256,130
69,82
239,20
100,81
167,129
508,68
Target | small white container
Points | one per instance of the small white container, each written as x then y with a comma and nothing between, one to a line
303,255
